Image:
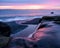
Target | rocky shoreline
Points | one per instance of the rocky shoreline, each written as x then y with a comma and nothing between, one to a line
47,35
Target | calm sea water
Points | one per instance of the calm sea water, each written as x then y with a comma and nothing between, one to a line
11,12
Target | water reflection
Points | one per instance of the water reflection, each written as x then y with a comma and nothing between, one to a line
40,33
46,37
25,32
49,30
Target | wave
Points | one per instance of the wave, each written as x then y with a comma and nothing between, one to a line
9,19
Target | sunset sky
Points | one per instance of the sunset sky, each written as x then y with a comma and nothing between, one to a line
29,4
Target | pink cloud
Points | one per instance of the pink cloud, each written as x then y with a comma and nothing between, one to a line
30,6
50,4
54,1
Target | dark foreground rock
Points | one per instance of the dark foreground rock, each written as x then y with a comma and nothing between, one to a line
57,22
51,18
46,37
5,31
15,27
34,21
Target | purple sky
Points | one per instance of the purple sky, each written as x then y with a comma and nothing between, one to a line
45,3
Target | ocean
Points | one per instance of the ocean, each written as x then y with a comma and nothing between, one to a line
15,14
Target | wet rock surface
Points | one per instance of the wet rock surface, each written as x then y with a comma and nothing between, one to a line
45,37
5,31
